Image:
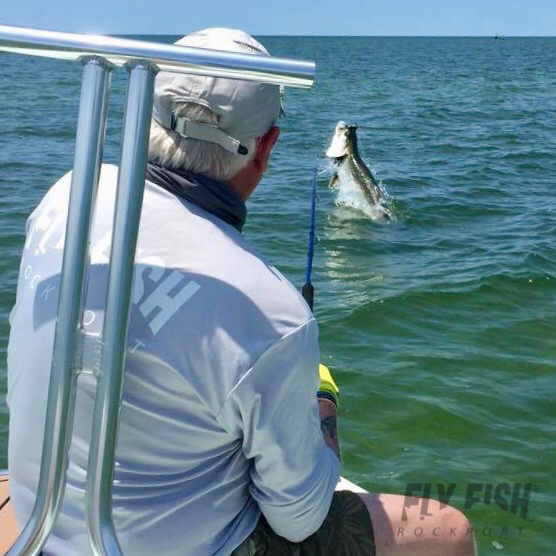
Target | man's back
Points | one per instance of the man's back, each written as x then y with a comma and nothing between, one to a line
217,339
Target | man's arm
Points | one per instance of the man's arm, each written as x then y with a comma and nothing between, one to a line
274,410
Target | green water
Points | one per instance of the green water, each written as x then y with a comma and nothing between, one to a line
440,326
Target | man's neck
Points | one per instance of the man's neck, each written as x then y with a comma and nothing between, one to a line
245,181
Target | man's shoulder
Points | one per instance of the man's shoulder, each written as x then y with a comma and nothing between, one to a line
235,282
274,294
232,274
242,267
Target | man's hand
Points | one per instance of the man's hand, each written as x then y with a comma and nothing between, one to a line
328,389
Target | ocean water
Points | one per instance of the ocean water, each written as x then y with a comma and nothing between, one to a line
440,326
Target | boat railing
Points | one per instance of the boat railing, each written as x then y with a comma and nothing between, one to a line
99,56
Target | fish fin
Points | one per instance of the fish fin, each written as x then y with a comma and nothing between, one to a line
333,181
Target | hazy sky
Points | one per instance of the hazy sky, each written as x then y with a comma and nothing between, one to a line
289,17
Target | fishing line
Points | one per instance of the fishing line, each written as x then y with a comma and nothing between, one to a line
307,291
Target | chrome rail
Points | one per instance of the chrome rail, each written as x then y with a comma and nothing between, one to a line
131,184
63,377
99,54
167,57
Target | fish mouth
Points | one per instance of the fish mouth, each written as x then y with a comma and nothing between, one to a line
334,155
340,145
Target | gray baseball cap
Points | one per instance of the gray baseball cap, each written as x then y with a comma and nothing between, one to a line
245,109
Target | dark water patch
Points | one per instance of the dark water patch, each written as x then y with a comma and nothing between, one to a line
530,167
486,191
32,131
520,155
16,166
453,148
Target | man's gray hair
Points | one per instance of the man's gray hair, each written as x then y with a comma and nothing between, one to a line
169,149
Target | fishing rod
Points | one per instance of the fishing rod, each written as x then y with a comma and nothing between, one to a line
308,292
328,389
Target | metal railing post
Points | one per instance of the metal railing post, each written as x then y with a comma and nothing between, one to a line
131,184
91,128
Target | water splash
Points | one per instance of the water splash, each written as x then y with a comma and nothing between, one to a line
349,194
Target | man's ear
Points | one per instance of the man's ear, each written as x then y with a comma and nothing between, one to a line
264,147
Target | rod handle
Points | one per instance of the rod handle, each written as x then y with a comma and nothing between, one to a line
308,293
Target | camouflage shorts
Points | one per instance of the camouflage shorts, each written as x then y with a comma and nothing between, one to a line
346,531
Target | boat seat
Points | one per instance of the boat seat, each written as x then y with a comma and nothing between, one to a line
8,526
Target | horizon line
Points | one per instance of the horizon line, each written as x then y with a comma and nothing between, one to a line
325,35
495,36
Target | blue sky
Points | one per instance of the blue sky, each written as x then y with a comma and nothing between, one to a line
284,17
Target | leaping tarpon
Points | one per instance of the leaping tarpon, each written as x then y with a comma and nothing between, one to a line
349,166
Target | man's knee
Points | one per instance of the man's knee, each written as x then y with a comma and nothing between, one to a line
459,532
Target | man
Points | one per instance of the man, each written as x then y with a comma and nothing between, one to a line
228,439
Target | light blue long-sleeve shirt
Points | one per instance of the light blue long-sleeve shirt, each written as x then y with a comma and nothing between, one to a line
219,419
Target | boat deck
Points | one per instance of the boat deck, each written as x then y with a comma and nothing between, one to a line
8,526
